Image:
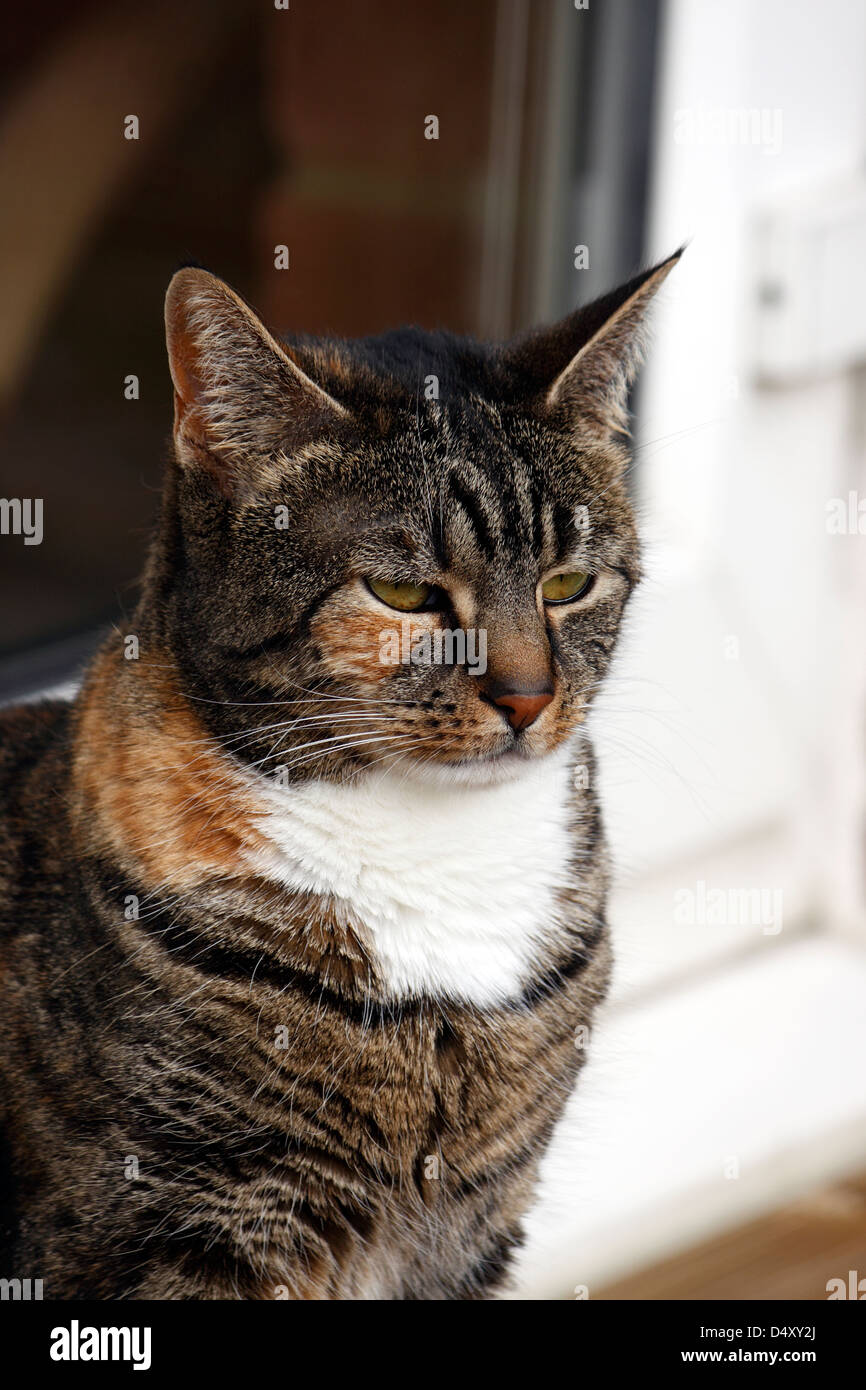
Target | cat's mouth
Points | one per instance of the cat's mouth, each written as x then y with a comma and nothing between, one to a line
510,760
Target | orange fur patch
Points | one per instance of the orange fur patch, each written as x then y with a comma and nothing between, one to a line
150,782
350,638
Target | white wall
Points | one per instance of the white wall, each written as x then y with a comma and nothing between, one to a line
739,765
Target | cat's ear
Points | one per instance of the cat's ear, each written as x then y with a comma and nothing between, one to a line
580,370
239,396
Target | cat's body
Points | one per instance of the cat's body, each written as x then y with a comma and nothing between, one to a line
388,1151
307,1035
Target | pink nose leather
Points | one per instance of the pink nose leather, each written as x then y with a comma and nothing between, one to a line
521,710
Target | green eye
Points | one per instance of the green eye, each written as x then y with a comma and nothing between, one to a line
407,597
560,588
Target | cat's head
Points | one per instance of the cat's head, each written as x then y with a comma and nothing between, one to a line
409,550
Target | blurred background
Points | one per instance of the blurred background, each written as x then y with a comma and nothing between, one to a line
717,1145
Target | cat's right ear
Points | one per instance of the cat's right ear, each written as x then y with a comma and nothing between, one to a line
240,399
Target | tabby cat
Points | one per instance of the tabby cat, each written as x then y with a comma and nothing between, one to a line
295,939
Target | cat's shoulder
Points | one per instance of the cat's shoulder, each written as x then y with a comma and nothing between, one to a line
28,730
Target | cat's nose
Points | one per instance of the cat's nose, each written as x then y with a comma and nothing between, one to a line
520,707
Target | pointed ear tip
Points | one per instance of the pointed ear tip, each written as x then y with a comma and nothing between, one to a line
653,278
670,261
187,282
667,263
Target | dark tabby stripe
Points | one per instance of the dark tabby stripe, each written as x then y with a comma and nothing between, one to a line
474,512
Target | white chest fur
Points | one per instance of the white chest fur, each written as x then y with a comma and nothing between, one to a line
452,888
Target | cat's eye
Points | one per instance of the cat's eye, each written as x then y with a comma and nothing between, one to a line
408,598
563,588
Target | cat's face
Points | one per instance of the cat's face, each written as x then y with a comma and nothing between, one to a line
409,552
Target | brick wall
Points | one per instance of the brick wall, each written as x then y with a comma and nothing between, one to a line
382,224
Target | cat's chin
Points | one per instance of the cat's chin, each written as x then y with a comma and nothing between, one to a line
489,771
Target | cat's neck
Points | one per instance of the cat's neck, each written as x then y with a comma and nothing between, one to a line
454,890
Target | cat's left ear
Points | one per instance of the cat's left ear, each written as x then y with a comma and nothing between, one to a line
580,370
240,398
